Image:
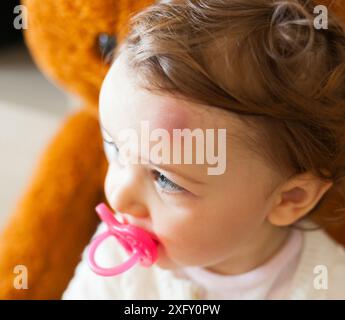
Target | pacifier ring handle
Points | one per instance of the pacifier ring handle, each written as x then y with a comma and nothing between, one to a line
139,244
107,272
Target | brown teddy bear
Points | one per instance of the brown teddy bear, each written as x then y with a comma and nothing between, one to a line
55,219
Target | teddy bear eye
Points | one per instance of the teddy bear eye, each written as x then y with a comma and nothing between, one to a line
106,45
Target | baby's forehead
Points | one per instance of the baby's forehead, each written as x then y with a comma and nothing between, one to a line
169,112
163,110
210,120
172,114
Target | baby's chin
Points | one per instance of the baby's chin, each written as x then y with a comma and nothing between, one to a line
165,262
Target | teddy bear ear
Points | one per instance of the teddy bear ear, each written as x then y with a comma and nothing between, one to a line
72,42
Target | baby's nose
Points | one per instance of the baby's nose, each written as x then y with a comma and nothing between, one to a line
127,202
126,199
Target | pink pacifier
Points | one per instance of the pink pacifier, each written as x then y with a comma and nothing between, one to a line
138,243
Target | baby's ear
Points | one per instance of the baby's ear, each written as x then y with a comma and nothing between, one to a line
296,197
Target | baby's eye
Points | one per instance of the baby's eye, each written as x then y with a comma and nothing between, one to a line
165,184
111,150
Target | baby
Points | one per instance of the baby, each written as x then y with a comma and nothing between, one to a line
259,71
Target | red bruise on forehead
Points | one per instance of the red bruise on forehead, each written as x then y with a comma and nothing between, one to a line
170,118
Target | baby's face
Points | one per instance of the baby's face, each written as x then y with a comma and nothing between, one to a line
200,219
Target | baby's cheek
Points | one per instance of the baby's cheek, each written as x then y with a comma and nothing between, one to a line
184,241
239,229
175,233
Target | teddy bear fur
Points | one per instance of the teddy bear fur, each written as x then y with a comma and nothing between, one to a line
54,219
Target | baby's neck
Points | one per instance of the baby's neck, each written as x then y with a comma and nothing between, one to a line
254,254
